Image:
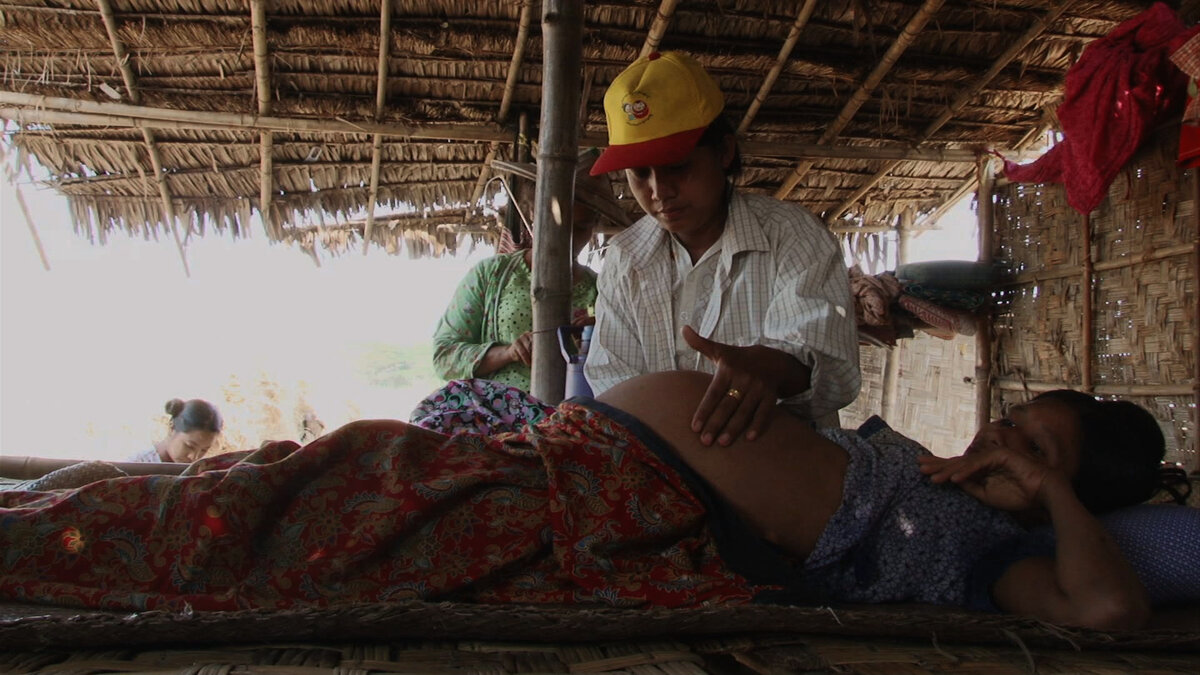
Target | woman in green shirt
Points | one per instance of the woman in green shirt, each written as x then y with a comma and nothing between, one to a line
486,331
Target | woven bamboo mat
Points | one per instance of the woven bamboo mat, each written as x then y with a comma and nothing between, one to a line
50,628
741,655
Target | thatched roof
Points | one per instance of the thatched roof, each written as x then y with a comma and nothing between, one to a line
861,110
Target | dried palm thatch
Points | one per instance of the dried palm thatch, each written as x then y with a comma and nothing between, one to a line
211,113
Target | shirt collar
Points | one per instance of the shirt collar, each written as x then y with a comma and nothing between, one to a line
645,239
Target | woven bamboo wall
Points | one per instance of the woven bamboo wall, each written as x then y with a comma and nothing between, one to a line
1142,339
935,401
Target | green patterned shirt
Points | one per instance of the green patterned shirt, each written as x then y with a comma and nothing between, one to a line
491,306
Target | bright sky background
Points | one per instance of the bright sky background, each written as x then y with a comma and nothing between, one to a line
91,349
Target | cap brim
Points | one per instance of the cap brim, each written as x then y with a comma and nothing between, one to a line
657,152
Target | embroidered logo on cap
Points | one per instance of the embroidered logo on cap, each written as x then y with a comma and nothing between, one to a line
636,109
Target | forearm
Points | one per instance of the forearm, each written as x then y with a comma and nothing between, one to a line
1090,570
495,358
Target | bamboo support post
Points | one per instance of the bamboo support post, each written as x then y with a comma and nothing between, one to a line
1087,340
907,36
983,334
962,99
658,27
37,240
785,52
1196,325
891,370
562,40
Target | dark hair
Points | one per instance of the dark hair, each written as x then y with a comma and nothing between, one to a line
715,135
193,415
1121,450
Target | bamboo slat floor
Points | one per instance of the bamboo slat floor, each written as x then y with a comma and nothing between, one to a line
464,638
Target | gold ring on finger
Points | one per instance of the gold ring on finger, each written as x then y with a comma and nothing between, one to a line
734,394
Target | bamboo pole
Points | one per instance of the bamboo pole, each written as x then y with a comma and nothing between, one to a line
983,334
385,32
911,30
963,98
118,48
514,68
785,52
266,145
35,109
37,240
891,370
266,182
562,40
658,27
165,196
1065,271
1196,325
1087,340
1011,384
110,26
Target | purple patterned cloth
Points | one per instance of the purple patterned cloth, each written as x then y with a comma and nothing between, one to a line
478,406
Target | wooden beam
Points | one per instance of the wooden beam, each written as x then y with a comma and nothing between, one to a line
518,57
262,81
964,97
32,109
385,31
110,26
1009,384
906,37
658,27
1065,271
785,53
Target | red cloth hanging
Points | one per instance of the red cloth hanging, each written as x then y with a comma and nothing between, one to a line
1122,86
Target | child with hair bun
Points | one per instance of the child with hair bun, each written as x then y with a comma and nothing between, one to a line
194,427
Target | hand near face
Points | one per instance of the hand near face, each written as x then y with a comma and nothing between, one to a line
743,393
521,350
995,471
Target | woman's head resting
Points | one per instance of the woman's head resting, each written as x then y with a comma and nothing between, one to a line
1112,450
195,425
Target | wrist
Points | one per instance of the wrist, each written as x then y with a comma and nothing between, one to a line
1055,488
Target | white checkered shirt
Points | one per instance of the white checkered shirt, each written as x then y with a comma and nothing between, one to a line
779,281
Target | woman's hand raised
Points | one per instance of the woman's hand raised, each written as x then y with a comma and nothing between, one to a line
744,391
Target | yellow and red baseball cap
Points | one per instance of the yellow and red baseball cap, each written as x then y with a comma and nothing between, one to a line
657,109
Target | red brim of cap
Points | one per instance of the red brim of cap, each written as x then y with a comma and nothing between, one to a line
663,151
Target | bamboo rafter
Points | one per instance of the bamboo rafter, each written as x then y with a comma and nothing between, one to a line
262,80
963,98
160,178
911,30
658,27
385,31
785,52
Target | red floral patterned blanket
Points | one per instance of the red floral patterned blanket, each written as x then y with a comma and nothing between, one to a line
574,510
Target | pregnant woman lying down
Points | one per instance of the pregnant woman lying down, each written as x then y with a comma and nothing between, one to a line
613,502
